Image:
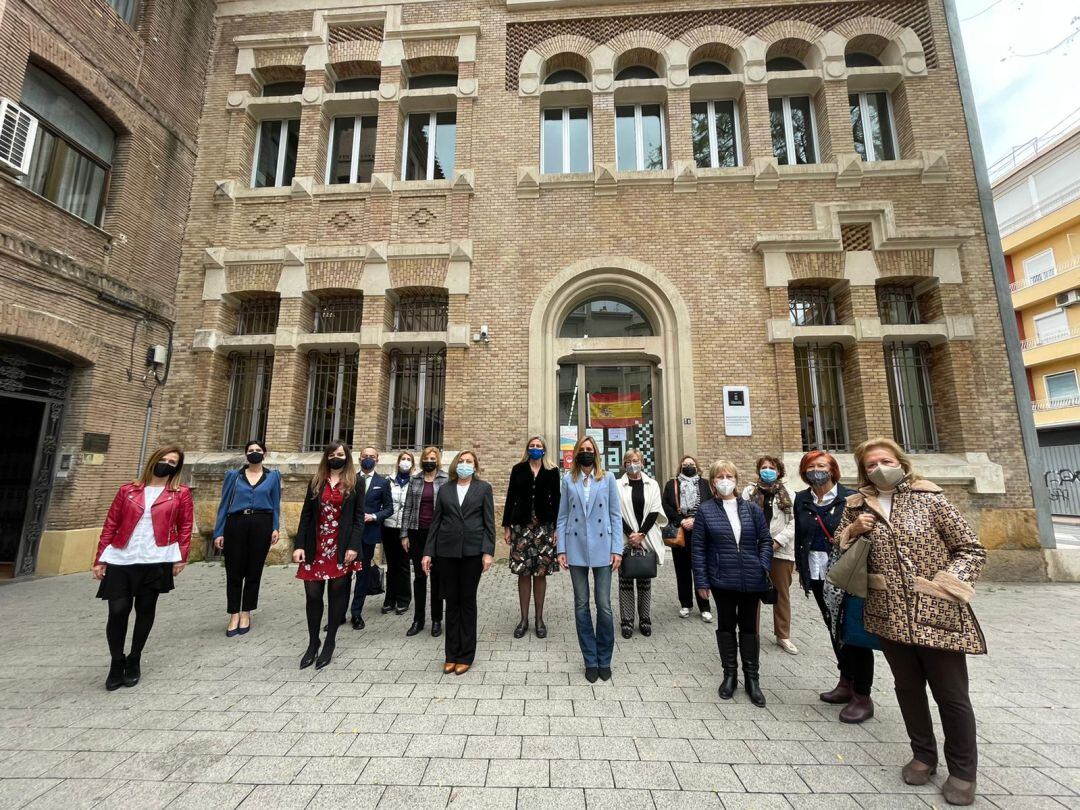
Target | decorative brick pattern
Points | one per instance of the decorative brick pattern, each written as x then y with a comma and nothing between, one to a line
353,33
252,277
817,265
857,236
429,273
905,262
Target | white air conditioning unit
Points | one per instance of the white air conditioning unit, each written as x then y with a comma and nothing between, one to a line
1067,299
18,129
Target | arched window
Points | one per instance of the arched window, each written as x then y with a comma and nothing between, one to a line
857,59
283,89
360,84
566,75
636,72
781,63
606,317
430,80
710,67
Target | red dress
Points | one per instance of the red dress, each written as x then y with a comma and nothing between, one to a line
325,565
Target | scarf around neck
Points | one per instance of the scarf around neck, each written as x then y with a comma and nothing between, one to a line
777,492
689,496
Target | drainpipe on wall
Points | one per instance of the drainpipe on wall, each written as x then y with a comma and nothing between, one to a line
1001,286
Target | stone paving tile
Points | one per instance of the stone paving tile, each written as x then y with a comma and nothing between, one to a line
145,795
72,794
211,797
618,799
473,798
352,797
456,772
398,797
279,797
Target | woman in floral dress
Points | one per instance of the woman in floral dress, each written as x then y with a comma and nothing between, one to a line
327,545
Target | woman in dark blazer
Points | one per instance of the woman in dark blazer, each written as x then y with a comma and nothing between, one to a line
532,507
732,554
328,542
462,541
683,496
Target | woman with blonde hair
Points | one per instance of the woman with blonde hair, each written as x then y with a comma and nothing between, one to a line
416,517
642,519
462,541
144,544
923,561
590,539
732,555
327,544
532,507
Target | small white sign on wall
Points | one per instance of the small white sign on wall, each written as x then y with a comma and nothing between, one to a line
736,410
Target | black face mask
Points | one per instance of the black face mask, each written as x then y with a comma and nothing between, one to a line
164,469
335,463
428,466
586,459
255,457
689,470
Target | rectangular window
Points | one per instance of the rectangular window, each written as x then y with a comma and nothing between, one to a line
794,130
276,143
339,315
331,398
125,8
258,316
351,155
417,386
910,397
1040,267
714,126
898,305
430,140
1050,327
822,416
1061,389
421,313
639,138
566,140
249,399
872,127
811,306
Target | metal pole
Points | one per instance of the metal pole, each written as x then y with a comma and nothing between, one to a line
145,431
1001,286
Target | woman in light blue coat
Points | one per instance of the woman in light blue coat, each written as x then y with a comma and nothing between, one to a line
589,536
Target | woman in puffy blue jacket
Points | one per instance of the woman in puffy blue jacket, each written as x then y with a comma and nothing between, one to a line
732,554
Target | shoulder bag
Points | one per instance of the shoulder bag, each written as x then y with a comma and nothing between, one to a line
638,563
849,573
673,533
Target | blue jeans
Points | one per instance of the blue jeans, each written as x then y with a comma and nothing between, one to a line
596,646
360,589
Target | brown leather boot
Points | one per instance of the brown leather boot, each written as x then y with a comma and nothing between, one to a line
917,773
841,693
860,708
957,791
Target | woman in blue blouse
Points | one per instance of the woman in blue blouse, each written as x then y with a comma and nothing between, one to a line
247,525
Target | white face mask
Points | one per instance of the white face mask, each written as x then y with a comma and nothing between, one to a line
884,477
725,486
633,468
405,465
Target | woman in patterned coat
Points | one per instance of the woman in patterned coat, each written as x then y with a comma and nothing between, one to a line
923,563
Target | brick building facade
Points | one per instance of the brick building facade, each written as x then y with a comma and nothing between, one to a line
89,251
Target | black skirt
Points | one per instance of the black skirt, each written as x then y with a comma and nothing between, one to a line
129,581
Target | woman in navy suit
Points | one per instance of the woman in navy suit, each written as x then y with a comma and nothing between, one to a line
589,537
732,554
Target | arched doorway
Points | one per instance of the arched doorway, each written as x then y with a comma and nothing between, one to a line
33,390
609,360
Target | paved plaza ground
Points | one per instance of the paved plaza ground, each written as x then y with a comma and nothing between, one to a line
222,722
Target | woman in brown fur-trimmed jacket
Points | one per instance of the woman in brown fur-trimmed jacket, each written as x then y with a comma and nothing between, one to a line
923,563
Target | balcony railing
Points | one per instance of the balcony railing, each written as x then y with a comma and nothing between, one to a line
1040,209
1036,146
1046,340
1023,284
1055,403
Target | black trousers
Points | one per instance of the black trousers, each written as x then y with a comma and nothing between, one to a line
946,673
397,569
460,578
856,664
417,541
684,578
736,609
247,542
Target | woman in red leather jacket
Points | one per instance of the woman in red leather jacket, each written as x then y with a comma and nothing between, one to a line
144,544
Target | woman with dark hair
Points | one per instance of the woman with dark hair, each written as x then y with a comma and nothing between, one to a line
416,517
818,511
532,507
144,544
394,554
247,525
327,545
776,501
683,495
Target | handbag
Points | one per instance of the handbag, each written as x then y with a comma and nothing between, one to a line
673,534
852,629
638,563
849,573
771,596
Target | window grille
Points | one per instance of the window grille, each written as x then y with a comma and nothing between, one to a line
811,306
822,408
331,398
417,389
339,315
898,305
421,313
249,398
910,396
258,316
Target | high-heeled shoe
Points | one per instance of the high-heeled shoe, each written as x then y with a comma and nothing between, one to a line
132,670
309,656
522,628
115,678
325,656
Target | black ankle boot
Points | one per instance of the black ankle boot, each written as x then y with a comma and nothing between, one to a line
309,656
729,660
750,650
132,672
115,679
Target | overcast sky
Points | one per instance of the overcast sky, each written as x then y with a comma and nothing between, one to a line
1021,97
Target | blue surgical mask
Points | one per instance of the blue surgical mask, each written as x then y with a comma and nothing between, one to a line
536,453
767,476
367,463
465,470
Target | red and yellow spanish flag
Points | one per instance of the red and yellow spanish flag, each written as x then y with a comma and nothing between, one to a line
615,410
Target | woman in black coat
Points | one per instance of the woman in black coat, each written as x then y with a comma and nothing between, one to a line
532,506
683,495
327,544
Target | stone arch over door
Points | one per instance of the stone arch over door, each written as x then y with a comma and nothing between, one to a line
671,350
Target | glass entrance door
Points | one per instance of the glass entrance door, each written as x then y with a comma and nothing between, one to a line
612,404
